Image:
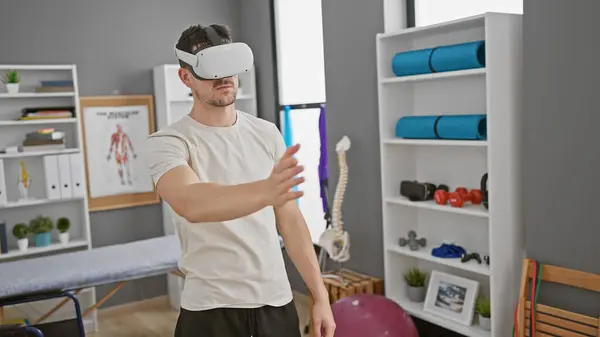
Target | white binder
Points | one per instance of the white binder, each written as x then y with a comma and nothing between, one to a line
77,182
64,176
3,197
51,175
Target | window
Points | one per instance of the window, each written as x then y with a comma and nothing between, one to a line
298,39
428,12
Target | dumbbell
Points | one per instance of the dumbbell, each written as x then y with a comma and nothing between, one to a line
459,197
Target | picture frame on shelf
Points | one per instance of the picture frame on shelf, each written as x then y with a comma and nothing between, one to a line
114,129
451,297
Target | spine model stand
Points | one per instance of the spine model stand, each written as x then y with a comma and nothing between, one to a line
335,240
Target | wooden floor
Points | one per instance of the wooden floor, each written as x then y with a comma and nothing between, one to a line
154,318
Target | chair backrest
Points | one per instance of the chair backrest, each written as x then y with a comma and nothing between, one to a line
550,321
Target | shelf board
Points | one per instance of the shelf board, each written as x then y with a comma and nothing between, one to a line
36,202
467,209
37,94
36,153
416,309
37,67
38,121
424,253
32,250
435,76
435,142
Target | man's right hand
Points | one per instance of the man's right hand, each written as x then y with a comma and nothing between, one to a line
278,187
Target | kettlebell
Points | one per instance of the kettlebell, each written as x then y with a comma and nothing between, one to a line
484,191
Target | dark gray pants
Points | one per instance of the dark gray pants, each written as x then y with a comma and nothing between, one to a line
266,321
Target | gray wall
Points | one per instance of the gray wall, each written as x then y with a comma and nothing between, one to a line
561,160
255,30
349,30
115,44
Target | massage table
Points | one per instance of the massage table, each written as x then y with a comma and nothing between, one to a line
65,275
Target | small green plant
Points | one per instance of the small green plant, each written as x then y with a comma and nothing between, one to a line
415,277
63,224
483,307
20,231
41,225
11,76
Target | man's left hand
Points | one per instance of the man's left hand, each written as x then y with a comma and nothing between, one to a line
322,318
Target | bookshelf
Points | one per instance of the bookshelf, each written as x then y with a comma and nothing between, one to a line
494,90
57,184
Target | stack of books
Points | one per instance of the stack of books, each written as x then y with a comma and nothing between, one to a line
47,113
55,86
44,140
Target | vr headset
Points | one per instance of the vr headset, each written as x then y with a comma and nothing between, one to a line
220,60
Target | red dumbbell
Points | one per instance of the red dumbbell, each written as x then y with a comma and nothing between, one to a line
459,197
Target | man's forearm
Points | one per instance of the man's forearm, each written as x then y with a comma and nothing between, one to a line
301,251
208,202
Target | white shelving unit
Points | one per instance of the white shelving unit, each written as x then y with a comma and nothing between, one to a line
73,206
498,232
173,101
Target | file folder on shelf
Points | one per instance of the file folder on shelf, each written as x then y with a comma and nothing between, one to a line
52,179
77,181
3,193
64,176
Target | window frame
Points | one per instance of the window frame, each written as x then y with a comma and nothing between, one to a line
276,86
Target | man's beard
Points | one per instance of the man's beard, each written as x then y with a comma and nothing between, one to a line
223,102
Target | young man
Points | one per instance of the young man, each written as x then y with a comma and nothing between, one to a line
229,180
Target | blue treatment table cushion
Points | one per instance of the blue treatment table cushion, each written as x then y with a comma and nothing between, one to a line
89,268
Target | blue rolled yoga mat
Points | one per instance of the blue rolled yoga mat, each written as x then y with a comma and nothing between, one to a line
414,62
461,56
458,127
462,127
417,127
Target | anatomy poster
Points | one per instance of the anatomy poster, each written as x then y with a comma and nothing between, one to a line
114,139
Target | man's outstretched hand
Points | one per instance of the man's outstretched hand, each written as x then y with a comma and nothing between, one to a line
323,321
278,187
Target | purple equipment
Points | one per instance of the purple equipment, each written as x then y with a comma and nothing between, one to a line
373,316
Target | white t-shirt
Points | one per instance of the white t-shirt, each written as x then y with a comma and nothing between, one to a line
237,263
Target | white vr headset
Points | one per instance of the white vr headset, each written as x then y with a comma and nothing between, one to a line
220,60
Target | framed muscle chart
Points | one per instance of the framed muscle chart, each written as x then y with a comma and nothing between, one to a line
114,130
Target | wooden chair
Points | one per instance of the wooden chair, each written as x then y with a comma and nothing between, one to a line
549,321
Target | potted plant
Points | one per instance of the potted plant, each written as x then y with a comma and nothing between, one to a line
415,281
63,224
41,227
483,311
12,79
21,232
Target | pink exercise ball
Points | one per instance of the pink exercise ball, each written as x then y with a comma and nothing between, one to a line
373,316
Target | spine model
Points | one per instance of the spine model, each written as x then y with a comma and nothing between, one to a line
335,240
342,147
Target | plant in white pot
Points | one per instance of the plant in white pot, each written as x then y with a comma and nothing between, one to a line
415,285
483,310
63,224
21,232
12,79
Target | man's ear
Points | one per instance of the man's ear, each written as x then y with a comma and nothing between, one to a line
185,77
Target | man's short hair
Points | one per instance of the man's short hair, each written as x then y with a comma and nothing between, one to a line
194,39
